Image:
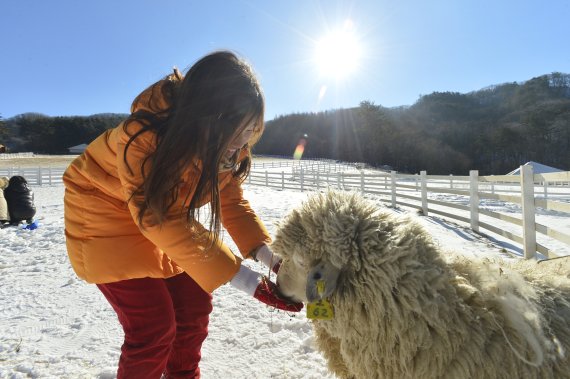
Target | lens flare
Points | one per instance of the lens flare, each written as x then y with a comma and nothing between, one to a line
300,149
322,92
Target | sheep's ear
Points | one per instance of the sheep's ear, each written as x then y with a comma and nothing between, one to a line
328,274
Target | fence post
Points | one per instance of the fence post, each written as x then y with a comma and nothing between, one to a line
450,181
362,181
393,180
49,171
249,178
424,192
474,199
301,177
266,179
529,227
416,179
39,176
282,180
338,180
318,178
545,190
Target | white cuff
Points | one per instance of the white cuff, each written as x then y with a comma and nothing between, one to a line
266,256
246,280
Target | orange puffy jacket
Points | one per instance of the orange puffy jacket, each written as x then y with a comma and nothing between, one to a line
104,241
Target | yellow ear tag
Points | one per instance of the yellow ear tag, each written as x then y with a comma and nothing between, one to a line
320,309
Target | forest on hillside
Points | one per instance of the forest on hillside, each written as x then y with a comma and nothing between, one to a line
38,133
492,130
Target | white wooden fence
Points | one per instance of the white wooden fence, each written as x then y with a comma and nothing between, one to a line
307,164
525,193
15,155
36,176
472,197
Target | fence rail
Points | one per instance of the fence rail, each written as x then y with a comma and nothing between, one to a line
463,198
323,165
36,176
16,155
473,196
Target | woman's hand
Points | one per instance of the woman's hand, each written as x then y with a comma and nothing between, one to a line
263,289
268,293
266,256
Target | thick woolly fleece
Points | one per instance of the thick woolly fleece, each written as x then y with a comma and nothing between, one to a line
404,310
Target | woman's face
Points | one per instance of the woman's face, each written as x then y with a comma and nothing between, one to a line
240,140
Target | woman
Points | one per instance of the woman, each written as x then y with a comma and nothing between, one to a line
132,220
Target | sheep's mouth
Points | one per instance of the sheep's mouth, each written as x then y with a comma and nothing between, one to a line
291,298
294,299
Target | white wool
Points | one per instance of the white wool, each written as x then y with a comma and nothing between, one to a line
405,309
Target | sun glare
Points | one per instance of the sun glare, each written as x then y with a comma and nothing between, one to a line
338,53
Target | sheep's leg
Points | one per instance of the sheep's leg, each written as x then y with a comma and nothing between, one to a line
321,271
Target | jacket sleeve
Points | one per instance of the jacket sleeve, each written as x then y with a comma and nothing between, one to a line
210,266
239,219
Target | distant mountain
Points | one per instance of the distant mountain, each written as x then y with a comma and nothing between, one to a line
111,115
53,135
494,130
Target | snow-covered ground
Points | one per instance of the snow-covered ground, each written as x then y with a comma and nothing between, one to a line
53,325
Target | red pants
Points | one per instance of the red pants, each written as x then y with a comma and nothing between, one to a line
165,322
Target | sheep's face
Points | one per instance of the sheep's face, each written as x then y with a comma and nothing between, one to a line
298,280
318,241
292,280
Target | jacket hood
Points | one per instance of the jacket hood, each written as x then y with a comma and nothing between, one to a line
17,182
158,97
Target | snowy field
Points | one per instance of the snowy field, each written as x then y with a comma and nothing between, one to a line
53,325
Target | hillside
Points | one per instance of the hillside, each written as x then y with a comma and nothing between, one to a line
494,130
39,133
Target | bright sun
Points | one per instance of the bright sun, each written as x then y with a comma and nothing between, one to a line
338,54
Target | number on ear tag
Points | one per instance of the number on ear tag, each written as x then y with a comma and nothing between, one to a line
321,309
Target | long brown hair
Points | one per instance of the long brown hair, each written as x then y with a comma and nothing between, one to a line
216,100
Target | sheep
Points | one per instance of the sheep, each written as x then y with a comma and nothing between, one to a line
405,309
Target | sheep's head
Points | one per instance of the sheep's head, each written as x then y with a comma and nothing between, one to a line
321,241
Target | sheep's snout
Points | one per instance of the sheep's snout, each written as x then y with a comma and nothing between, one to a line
292,280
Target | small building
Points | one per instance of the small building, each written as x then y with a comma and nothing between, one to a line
537,168
77,149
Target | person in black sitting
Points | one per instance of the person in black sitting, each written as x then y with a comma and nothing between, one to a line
20,199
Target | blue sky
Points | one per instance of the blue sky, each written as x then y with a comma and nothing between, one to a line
68,57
